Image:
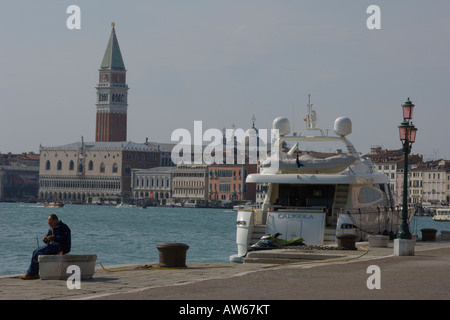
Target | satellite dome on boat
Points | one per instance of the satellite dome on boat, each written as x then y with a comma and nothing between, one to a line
343,126
283,126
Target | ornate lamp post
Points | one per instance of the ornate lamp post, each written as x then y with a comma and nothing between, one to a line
408,137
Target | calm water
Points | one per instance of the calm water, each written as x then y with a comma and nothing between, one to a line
117,235
128,235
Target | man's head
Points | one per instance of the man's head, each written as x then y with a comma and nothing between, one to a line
52,220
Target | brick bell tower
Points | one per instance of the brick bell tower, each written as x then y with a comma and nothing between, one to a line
112,92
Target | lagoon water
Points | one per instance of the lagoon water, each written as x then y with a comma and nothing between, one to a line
117,235
128,235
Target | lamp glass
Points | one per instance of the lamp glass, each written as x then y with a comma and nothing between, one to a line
412,134
408,109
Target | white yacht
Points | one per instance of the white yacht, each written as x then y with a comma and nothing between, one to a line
316,198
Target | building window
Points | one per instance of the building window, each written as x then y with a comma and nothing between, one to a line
47,165
102,167
59,165
224,186
115,168
71,165
91,166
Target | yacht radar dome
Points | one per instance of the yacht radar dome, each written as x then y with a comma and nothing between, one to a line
343,126
283,126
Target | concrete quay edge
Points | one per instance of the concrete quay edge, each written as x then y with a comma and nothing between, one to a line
124,282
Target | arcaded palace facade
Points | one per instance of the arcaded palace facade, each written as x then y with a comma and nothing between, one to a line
83,172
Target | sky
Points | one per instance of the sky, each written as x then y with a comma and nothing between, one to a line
223,61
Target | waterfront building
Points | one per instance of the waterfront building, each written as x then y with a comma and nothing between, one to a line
19,183
189,183
19,176
153,185
29,159
428,184
415,184
92,171
227,182
112,95
390,162
435,182
447,182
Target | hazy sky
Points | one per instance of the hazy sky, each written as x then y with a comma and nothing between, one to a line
223,61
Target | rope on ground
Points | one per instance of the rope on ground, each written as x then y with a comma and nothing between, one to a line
147,267
319,261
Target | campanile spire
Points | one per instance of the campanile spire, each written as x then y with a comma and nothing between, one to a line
112,94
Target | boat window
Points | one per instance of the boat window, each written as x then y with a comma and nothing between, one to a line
306,195
368,195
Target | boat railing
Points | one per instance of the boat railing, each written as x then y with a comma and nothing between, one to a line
250,207
397,210
272,208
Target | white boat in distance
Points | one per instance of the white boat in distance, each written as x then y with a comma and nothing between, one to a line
317,199
442,214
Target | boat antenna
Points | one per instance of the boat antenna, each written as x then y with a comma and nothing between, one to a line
311,118
293,118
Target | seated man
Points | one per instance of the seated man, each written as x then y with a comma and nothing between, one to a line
57,241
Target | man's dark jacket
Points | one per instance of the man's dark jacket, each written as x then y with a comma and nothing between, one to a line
61,235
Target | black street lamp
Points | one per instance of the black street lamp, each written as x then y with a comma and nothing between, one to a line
408,137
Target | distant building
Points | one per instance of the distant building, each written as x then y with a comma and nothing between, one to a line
435,182
415,185
390,162
30,159
19,176
227,182
19,183
154,184
92,171
189,183
165,153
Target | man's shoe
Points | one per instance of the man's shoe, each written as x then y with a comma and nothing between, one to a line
30,277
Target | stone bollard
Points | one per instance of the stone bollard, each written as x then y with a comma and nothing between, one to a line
428,234
378,241
346,241
172,255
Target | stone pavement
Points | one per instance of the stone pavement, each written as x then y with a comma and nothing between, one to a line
343,275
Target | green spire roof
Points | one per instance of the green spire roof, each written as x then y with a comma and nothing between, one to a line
112,58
